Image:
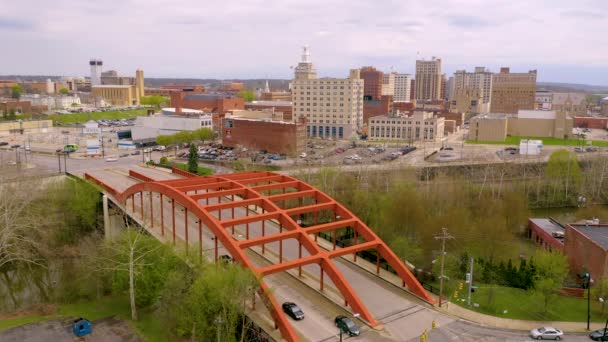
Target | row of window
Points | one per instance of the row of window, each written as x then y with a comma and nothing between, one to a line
399,133
325,132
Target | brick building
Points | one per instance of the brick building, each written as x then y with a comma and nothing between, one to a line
546,233
209,103
276,96
404,106
512,92
372,83
18,106
372,108
280,106
264,130
586,246
590,122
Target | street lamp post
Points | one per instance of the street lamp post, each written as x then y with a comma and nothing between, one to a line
588,282
604,334
218,320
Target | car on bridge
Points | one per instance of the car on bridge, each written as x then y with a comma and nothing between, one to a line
347,326
546,333
293,310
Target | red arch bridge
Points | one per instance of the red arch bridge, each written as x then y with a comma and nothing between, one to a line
256,203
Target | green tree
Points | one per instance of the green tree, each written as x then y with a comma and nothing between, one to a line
193,159
183,137
407,249
63,91
12,114
202,134
154,100
600,290
16,91
564,176
218,292
165,140
139,264
551,271
247,94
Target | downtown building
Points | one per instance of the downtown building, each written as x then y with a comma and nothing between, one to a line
332,107
471,91
512,92
429,80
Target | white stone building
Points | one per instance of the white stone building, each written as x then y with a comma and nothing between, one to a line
420,126
333,107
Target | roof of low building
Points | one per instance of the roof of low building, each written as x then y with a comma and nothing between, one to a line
597,233
549,225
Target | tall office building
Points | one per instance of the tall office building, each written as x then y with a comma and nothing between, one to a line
332,107
512,92
372,87
403,88
96,66
428,79
388,84
478,82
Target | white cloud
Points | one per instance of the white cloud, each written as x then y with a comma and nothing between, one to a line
262,38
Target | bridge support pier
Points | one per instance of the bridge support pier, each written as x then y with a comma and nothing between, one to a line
113,222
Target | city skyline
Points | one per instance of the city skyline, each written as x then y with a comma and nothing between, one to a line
263,39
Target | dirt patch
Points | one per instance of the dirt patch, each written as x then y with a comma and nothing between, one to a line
36,310
60,330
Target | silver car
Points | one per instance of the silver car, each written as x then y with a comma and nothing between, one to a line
546,333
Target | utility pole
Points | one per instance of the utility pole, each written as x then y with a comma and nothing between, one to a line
470,279
443,237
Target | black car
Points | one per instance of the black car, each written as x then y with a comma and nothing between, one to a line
135,153
599,335
3,143
346,325
293,311
226,259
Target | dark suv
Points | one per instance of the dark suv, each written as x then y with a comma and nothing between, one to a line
347,326
293,311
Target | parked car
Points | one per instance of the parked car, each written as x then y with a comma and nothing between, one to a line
111,159
591,149
339,150
346,325
599,335
303,155
136,153
226,259
546,333
3,143
124,155
292,310
159,148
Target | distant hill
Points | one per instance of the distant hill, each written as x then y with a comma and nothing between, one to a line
572,87
152,82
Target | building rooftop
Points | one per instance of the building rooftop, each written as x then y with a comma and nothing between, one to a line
111,86
550,226
270,103
206,97
493,116
597,233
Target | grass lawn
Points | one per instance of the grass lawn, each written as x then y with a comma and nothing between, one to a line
148,324
64,119
546,141
202,171
522,304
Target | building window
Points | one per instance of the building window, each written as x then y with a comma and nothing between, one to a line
340,132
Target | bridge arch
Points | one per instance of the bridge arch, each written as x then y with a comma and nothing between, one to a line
269,194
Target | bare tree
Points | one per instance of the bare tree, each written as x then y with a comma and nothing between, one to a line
127,254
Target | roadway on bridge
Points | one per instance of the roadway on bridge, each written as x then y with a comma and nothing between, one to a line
404,317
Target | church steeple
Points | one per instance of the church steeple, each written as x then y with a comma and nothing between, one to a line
267,87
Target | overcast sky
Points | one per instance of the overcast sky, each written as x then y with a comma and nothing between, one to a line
566,40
